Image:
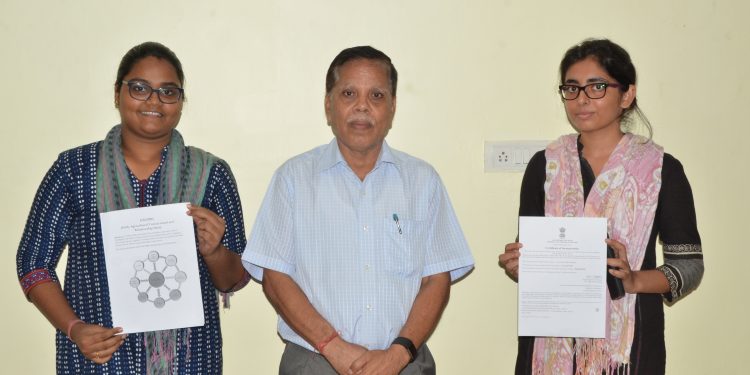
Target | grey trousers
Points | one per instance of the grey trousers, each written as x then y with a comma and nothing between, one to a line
297,360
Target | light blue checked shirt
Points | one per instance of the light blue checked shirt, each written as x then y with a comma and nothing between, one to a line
336,236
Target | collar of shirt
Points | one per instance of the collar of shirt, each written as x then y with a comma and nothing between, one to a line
331,157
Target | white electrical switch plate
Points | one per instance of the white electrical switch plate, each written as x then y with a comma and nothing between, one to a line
510,156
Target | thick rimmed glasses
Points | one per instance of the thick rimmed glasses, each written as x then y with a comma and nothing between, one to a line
595,90
141,91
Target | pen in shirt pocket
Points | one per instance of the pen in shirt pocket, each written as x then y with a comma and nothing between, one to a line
398,225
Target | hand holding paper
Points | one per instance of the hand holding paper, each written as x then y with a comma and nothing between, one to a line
210,229
509,259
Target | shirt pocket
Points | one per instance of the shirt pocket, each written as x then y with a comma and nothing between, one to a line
405,246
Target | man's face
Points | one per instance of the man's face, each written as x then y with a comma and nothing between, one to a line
360,107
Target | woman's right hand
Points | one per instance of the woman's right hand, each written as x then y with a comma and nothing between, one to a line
509,259
95,342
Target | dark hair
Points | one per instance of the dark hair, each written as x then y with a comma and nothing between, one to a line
140,52
615,60
361,52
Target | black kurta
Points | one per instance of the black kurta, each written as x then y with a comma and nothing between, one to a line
674,223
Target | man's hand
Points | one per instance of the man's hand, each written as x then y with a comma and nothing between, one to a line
381,362
340,354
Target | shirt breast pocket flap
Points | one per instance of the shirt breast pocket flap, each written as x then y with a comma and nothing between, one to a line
405,245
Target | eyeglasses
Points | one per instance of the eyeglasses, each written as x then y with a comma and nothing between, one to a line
595,90
141,91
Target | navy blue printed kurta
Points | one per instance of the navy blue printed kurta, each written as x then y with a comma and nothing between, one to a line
64,213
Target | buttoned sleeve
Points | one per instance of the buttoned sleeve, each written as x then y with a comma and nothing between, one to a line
447,249
46,233
272,236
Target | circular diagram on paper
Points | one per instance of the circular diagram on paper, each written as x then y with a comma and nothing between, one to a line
157,279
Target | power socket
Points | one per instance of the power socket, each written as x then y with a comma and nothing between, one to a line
510,156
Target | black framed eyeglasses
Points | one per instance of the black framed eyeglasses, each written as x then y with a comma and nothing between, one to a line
142,91
595,90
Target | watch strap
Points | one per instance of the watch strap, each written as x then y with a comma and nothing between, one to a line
406,343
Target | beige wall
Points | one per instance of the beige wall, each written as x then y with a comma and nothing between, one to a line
470,71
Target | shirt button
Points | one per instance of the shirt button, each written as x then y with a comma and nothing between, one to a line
369,308
364,228
367,267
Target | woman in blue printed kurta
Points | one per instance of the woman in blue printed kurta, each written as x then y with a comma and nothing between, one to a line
141,158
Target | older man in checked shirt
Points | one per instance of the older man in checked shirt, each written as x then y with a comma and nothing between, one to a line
356,243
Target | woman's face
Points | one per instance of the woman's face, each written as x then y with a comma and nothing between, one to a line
149,120
595,115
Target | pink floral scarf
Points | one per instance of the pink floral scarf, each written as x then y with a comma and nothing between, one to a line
626,192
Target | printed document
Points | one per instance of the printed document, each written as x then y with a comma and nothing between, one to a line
152,268
562,281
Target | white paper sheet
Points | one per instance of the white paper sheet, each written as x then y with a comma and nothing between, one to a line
152,268
562,277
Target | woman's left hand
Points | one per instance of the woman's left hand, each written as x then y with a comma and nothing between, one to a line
621,266
210,228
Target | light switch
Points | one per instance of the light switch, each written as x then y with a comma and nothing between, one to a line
510,156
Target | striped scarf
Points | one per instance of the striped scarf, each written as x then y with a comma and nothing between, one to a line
626,192
183,178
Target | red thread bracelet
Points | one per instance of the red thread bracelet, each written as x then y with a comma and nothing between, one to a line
71,324
321,345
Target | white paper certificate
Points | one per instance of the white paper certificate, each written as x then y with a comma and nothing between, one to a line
562,277
152,268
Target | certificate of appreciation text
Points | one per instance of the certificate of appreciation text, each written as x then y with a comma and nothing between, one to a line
562,281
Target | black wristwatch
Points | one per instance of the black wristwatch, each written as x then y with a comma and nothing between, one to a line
406,343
